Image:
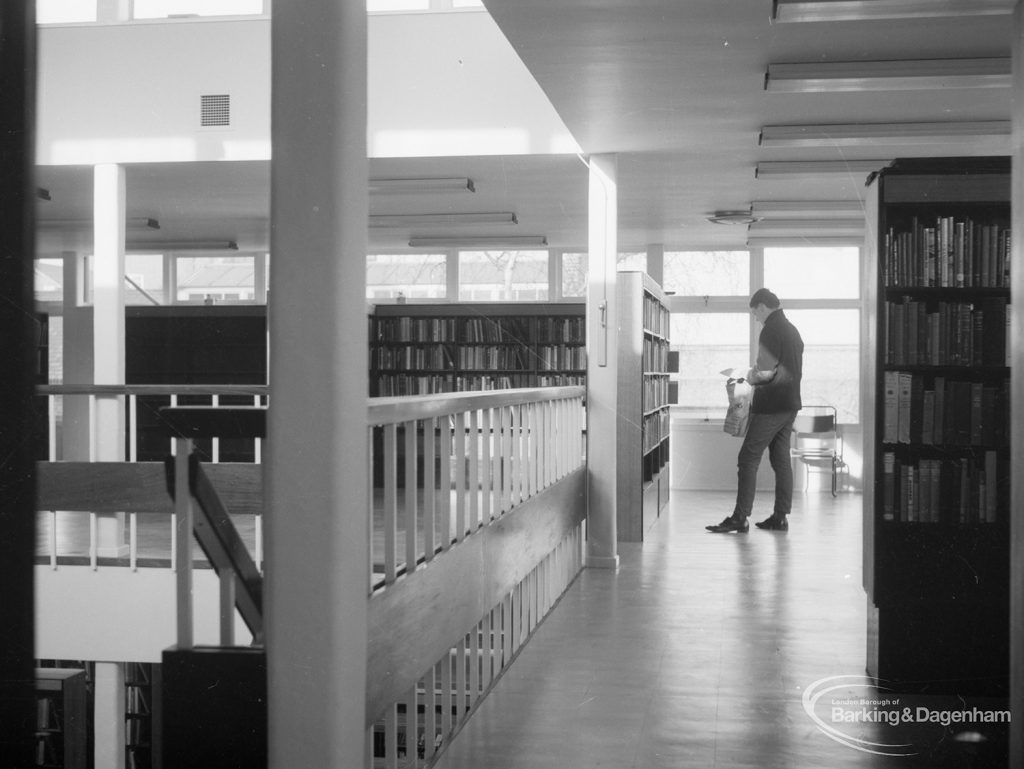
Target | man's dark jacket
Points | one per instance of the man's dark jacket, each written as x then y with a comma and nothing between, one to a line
780,349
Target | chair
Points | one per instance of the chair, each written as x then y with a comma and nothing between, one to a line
816,443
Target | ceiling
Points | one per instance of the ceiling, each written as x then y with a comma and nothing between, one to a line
676,90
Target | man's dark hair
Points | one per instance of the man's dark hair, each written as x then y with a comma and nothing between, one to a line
765,297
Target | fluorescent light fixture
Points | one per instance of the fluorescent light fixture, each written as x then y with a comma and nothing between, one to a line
815,77
497,241
425,184
732,217
803,240
807,209
808,227
427,220
869,134
810,169
860,10
180,245
134,223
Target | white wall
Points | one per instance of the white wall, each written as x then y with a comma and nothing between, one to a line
703,458
117,615
439,84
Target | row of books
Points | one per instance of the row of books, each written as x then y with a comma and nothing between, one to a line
562,356
655,355
411,357
966,490
491,358
951,252
656,316
390,385
942,333
936,411
479,329
656,392
656,428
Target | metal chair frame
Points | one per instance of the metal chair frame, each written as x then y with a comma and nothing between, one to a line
822,427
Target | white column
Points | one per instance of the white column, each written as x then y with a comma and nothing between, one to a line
656,262
108,335
602,364
108,730
76,438
317,562
109,11
1016,363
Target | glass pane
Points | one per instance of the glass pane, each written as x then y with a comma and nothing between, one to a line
159,9
574,274
813,273
831,359
633,261
503,276
394,276
64,11
707,344
216,279
376,6
49,280
708,273
144,279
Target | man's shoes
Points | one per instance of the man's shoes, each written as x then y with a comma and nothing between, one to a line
774,523
739,525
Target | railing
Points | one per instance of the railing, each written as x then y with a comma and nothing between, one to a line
496,491
483,485
67,536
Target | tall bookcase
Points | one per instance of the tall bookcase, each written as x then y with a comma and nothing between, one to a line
61,718
419,349
643,405
937,522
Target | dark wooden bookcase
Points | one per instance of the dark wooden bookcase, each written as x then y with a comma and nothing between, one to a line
194,345
61,718
420,349
937,524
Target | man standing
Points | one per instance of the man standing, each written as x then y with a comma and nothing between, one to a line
775,379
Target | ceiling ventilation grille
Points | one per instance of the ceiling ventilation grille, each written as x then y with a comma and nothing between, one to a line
215,110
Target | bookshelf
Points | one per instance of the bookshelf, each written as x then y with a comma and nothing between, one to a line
61,718
194,344
142,698
937,526
420,349
643,405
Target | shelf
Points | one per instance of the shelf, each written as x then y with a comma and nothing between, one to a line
936,537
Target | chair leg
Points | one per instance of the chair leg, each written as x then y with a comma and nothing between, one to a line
833,476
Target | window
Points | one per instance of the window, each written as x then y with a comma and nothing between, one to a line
49,280
159,9
503,276
707,273
708,343
144,279
574,274
813,273
64,11
820,291
632,261
216,279
410,276
831,359
379,6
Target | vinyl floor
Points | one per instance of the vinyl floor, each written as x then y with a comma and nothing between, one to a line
711,650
